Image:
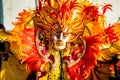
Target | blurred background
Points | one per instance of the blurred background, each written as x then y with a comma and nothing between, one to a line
9,10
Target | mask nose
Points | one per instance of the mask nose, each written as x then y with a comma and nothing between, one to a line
59,43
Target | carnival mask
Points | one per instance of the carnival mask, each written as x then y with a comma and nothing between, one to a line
61,38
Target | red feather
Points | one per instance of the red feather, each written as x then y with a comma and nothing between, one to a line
82,69
107,6
72,4
92,11
112,36
33,60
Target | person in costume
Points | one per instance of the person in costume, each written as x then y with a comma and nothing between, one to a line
61,39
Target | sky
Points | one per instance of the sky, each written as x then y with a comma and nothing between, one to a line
11,8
